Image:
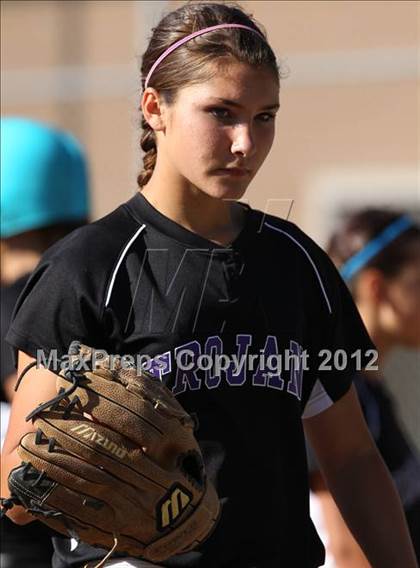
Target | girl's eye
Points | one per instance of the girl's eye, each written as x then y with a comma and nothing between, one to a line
224,114
221,113
266,117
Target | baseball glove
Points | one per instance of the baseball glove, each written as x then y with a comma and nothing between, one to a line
114,463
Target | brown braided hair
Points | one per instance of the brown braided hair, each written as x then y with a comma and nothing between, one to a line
194,61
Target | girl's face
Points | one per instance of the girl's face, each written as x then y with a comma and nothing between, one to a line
224,123
401,313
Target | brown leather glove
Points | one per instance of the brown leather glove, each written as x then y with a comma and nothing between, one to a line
114,463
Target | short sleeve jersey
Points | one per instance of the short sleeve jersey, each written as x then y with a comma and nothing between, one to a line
241,334
9,295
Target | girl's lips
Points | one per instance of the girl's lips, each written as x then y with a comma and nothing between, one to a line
236,172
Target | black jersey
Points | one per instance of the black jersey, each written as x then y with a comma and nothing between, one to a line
136,282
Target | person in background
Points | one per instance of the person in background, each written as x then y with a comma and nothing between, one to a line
44,196
378,253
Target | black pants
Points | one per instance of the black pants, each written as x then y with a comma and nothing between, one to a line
21,546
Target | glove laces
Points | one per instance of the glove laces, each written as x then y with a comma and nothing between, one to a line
105,558
71,376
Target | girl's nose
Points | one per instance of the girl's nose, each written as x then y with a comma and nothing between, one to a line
243,142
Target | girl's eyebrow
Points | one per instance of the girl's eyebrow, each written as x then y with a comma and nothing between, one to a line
274,106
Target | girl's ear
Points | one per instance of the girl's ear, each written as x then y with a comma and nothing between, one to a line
153,109
371,286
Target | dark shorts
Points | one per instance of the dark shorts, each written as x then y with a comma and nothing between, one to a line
28,545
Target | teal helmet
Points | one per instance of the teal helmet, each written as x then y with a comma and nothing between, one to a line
44,178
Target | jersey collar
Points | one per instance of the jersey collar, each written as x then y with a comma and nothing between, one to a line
145,213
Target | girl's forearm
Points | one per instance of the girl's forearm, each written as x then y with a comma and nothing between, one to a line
367,498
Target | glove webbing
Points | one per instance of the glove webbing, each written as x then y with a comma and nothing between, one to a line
70,375
7,503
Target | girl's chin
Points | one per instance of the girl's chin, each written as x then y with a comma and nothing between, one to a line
227,190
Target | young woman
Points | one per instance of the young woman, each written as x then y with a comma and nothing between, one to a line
379,255
182,270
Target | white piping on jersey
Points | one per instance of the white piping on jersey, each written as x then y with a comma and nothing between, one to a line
124,252
318,401
308,257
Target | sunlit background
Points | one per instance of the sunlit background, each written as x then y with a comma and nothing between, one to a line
348,129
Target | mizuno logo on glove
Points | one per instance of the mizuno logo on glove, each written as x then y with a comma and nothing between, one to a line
88,433
172,505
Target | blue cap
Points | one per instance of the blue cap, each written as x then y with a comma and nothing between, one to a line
44,178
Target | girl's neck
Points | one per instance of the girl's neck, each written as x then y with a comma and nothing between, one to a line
216,220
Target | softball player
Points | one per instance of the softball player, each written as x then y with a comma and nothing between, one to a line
378,252
213,290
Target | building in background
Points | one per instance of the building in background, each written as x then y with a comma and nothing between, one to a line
347,130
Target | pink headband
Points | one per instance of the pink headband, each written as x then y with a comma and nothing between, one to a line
188,37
